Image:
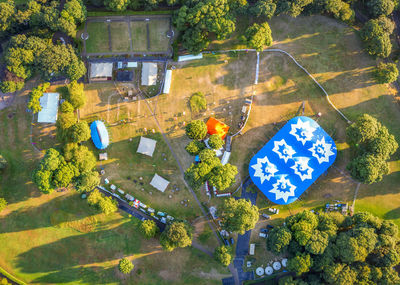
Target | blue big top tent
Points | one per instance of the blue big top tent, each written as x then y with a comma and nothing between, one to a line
292,160
99,134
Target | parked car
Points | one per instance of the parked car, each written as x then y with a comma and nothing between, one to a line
232,241
263,235
264,231
270,227
266,216
226,242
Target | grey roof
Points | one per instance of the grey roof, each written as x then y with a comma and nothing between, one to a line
102,69
149,73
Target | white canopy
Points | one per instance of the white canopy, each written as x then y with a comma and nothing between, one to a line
276,265
159,183
260,271
284,262
149,73
146,146
49,104
268,270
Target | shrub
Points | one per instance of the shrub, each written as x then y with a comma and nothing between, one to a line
386,72
66,107
11,86
3,204
223,254
198,102
196,130
215,141
194,147
125,266
148,228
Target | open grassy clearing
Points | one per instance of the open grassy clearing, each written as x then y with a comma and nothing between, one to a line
139,35
98,37
158,34
120,41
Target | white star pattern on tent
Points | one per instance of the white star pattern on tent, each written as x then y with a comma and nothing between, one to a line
283,189
321,150
284,150
302,169
264,169
303,131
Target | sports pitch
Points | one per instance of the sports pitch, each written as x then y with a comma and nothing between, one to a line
127,34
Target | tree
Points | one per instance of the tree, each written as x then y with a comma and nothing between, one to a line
291,7
383,145
198,102
76,96
215,141
194,147
223,254
116,5
238,215
94,197
364,129
7,12
300,264
35,95
107,205
263,8
378,8
66,107
376,38
279,239
257,36
386,72
148,228
64,174
74,11
81,157
10,86
196,130
125,266
64,122
368,168
223,177
80,132
197,19
176,234
3,204
87,181
339,9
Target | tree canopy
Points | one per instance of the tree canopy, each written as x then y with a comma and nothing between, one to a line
34,97
194,147
80,132
105,204
238,215
196,130
3,204
332,249
373,145
376,38
223,254
215,141
258,36
148,228
198,102
176,234
386,72
125,266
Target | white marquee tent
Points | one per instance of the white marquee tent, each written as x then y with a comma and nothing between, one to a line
159,183
146,146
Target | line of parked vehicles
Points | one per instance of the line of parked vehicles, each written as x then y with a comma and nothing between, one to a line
264,231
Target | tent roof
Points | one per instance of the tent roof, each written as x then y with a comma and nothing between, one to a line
49,104
217,127
99,134
103,69
149,73
292,160
167,81
159,183
146,146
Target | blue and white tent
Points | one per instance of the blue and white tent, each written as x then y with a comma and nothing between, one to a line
292,160
99,134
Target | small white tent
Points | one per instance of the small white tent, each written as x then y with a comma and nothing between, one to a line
146,146
49,104
159,183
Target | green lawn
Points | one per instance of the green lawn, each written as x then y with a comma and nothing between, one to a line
120,37
139,35
158,34
98,37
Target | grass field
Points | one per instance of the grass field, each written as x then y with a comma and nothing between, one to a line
155,40
98,37
120,41
139,35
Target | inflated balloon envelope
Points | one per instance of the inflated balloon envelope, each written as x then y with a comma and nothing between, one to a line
292,160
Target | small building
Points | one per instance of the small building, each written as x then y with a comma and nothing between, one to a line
101,70
124,75
149,73
99,134
146,146
159,183
131,64
49,104
167,81
215,126
103,156
252,248
190,57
